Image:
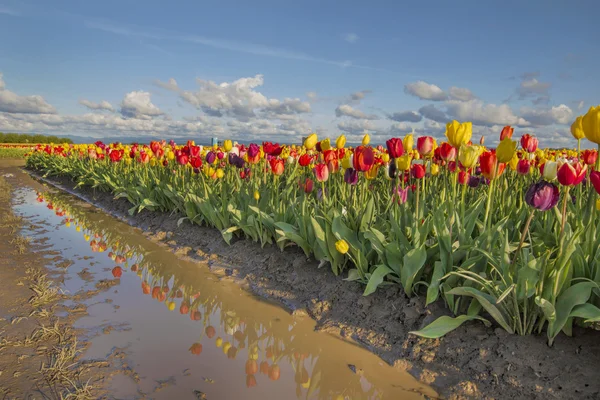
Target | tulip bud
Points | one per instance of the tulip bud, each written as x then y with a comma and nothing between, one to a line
227,145
591,124
340,142
542,195
256,195
408,142
342,246
311,141
366,139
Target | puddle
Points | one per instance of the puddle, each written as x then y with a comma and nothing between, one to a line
180,332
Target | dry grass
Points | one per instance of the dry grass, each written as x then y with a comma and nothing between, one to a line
44,291
21,243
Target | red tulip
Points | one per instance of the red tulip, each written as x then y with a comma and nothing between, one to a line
116,155
321,172
447,152
196,162
490,168
304,160
308,185
507,132
425,145
364,158
589,157
196,349
182,159
144,157
276,166
194,151
571,174
523,167
272,149
463,177
210,331
529,143
184,308
394,146
418,171
595,179
117,272
250,381
330,155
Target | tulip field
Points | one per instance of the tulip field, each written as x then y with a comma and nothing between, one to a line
509,235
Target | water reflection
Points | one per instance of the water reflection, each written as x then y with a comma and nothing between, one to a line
239,341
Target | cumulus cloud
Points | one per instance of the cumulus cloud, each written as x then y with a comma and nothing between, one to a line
356,127
350,37
405,116
103,105
561,114
237,99
481,113
425,91
11,102
461,94
399,129
433,113
137,104
346,110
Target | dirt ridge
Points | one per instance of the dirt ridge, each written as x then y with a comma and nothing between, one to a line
470,362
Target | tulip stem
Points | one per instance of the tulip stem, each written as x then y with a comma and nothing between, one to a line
417,201
488,205
564,212
525,230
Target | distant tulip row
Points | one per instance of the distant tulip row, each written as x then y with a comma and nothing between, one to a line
455,221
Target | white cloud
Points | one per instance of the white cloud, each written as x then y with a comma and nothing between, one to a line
346,110
398,129
462,94
103,105
11,102
433,113
356,127
481,113
561,114
137,104
405,116
350,37
580,105
425,91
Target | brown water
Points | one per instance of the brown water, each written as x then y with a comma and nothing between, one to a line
216,339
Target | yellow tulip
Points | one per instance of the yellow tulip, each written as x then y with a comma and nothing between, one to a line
219,342
403,163
325,144
340,142
408,142
220,173
342,246
171,155
311,141
435,169
256,195
372,172
591,124
577,128
514,161
366,139
468,155
385,157
459,133
171,305
347,161
506,150
598,204
227,145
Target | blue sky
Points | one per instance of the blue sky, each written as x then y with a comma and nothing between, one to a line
277,70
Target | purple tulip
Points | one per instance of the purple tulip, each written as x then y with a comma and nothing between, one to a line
236,160
351,176
402,194
474,181
210,157
253,150
542,195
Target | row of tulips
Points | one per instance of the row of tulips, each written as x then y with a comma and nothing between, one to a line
269,346
509,234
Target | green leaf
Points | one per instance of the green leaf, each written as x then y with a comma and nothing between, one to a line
376,278
575,295
445,324
486,302
587,311
413,262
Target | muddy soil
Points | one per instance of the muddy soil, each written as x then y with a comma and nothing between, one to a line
39,348
470,362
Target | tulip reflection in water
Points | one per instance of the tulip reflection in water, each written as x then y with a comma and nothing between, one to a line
264,349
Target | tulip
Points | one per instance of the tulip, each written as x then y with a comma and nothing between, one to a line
529,143
598,204
372,172
447,152
391,172
506,149
403,163
506,133
474,181
589,157
468,155
342,246
425,145
542,195
571,174
195,162
577,128
418,171
351,176
308,185
321,172
182,159
256,195
272,149
459,133
304,160
591,124
395,147
210,157
325,145
549,170
490,168
340,142
595,179
227,145
408,142
366,139
434,169
523,167
195,151
363,158
463,177
277,166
